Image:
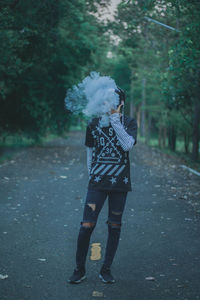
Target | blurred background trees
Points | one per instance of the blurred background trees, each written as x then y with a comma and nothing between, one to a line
47,46
162,68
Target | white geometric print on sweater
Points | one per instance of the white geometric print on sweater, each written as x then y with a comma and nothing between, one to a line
113,169
99,169
97,178
125,180
94,168
113,180
108,154
120,170
107,168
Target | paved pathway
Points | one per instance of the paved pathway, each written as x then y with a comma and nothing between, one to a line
42,193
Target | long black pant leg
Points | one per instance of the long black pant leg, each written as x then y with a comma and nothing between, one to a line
83,245
112,244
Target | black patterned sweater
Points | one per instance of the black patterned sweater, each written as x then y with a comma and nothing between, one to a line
110,165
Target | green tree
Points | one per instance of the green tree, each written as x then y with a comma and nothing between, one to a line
165,64
46,47
183,77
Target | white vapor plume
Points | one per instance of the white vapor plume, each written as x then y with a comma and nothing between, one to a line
95,96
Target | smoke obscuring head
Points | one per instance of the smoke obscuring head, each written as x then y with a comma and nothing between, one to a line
95,96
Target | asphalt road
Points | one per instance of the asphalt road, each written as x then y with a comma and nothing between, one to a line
42,194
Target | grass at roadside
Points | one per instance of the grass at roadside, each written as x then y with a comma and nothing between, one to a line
15,142
179,153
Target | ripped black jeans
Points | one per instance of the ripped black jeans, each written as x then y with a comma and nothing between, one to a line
94,202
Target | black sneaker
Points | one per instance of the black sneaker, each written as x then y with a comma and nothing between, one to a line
77,276
106,276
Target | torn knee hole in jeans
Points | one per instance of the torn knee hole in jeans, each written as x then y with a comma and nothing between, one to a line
117,213
87,224
113,224
92,206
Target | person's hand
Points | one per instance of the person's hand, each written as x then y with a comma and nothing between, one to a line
118,109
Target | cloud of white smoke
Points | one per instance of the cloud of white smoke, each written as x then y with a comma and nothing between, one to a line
95,96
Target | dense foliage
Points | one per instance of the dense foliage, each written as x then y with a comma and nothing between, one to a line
161,66
46,47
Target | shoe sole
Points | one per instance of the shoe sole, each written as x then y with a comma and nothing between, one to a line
78,281
101,277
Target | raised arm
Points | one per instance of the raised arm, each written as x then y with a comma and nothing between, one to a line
126,140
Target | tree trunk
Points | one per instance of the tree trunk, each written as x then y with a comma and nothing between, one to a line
131,109
172,138
164,136
143,113
159,137
138,116
195,131
186,142
131,96
148,135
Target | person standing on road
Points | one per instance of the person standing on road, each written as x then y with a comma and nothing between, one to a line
109,176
